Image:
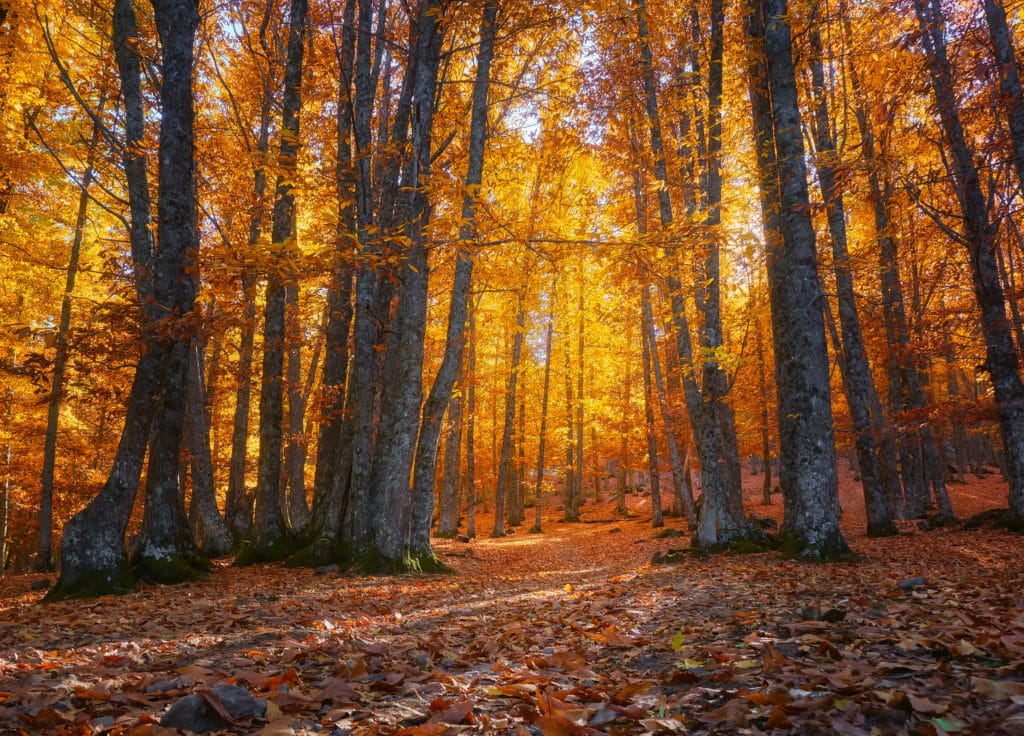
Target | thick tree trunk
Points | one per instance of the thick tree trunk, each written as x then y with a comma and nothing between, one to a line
444,381
505,465
807,468
1009,79
93,556
402,380
856,369
167,551
267,539
1001,360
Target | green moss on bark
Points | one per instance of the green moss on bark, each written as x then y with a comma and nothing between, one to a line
93,585
283,548
835,549
170,569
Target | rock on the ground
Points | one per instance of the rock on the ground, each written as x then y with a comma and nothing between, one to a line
196,713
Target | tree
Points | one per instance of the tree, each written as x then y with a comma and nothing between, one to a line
807,465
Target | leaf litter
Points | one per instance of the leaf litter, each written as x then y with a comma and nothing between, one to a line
569,632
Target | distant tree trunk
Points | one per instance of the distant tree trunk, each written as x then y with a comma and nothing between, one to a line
267,539
505,465
471,429
657,519
517,507
210,530
1001,360
683,496
853,356
539,488
44,557
624,428
580,364
807,468
570,499
238,506
294,486
441,390
766,445
448,524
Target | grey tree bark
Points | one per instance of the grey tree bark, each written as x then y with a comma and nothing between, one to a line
267,540
448,523
210,530
441,390
979,237
807,467
856,369
653,474
505,465
93,556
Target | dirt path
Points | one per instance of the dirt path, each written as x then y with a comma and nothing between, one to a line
568,632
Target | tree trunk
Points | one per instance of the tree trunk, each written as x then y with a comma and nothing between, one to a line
448,524
210,530
1009,79
570,500
980,235
505,466
853,356
166,551
539,488
239,502
766,445
402,380
44,557
807,467
441,390
294,485
267,540
471,429
654,480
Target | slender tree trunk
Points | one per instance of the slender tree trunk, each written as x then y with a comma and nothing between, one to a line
580,367
654,479
44,556
854,360
807,468
505,465
210,530
539,488
710,417
238,506
625,425
267,540
471,429
1001,360
294,484
448,524
766,444
571,502
680,485
441,390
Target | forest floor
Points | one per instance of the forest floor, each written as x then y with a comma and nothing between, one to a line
572,631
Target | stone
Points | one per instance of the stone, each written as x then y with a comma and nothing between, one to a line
195,713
